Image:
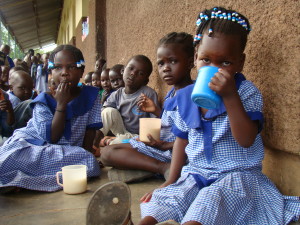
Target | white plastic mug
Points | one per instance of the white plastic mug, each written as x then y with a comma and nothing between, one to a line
74,179
149,126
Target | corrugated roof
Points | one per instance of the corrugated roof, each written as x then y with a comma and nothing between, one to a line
34,23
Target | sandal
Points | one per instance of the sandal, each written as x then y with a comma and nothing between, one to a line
106,141
110,204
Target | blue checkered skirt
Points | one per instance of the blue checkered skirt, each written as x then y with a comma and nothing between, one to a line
34,167
247,197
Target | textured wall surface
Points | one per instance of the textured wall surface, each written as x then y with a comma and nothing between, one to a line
272,62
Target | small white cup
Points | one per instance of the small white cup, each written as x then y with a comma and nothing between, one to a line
149,126
74,179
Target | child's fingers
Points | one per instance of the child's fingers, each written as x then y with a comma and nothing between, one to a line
146,197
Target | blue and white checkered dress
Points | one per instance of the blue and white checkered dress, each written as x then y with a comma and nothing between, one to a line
165,135
29,160
223,182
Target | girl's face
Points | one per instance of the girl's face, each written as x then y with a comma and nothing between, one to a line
105,82
116,80
65,69
174,65
135,74
96,81
223,51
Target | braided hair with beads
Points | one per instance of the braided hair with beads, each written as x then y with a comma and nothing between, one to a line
224,21
75,51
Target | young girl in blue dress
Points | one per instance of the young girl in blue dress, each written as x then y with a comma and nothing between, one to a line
60,132
175,54
223,182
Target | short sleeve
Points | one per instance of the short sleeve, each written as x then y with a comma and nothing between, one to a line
179,127
94,120
252,101
42,120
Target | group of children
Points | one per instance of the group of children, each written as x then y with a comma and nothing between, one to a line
214,157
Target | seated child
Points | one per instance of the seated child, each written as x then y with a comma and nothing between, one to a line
120,113
175,50
105,84
116,77
61,131
88,78
223,181
100,64
20,87
21,94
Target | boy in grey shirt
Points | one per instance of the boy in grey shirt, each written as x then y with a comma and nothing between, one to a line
120,113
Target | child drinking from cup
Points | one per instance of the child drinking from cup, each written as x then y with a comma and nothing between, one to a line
61,131
222,182
175,55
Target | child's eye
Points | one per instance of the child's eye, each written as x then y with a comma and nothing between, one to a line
226,63
160,63
205,60
173,61
141,73
72,67
57,67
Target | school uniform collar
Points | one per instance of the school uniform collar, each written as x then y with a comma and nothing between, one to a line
77,107
189,111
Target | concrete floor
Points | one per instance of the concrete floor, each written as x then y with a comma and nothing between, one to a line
32,207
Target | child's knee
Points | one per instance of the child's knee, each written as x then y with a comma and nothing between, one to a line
107,155
110,111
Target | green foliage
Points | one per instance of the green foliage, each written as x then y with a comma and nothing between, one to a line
6,38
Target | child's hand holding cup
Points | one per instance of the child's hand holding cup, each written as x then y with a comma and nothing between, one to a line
202,95
149,126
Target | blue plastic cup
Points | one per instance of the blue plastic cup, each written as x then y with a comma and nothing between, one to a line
202,95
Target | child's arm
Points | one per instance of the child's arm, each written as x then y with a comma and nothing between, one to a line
178,161
5,105
89,139
147,105
243,129
62,96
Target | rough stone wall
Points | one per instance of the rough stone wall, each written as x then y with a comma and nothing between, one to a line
272,62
